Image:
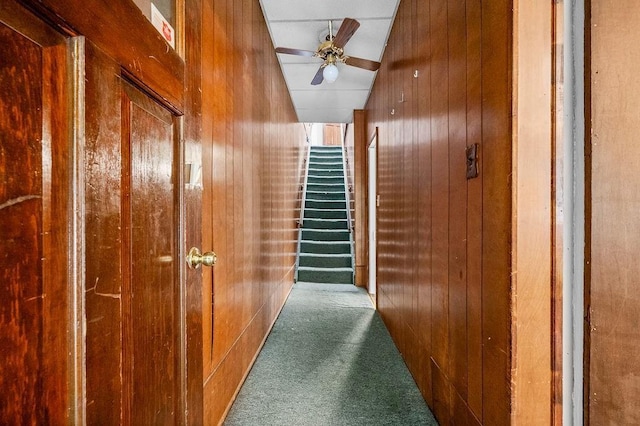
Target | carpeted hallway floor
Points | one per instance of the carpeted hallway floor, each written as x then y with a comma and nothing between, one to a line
329,360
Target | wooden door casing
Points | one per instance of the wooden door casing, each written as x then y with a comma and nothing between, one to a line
35,219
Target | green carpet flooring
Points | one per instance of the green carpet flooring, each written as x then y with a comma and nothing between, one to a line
325,242
329,361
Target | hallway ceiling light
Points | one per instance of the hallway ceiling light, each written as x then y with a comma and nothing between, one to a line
331,51
330,73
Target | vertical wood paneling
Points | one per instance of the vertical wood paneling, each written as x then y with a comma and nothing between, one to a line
207,23
444,241
613,334
496,37
253,146
474,205
457,198
413,176
424,206
440,192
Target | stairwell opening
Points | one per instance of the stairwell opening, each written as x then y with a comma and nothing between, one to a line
325,247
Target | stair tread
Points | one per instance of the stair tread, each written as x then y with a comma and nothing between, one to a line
325,230
335,255
323,219
312,184
316,193
319,268
325,242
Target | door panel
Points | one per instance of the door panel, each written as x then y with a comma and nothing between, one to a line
152,329
33,222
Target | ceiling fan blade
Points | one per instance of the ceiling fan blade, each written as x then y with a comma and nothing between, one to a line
318,77
362,63
298,52
346,31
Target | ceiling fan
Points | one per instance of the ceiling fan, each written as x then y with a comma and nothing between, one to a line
331,52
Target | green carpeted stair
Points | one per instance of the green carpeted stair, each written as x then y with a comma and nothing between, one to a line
325,254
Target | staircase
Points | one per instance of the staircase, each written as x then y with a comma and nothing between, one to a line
324,254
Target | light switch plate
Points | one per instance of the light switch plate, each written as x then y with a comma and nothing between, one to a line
472,161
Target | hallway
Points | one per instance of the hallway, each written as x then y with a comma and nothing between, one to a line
506,208
329,360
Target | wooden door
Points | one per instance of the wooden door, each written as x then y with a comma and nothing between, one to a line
151,349
135,336
35,222
332,134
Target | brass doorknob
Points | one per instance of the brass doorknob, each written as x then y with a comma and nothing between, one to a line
195,258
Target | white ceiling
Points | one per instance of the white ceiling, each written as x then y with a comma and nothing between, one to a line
299,24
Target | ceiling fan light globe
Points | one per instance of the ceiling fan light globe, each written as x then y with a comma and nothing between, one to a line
330,73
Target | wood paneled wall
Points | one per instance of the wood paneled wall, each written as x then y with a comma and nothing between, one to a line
446,244
443,241
612,372
252,158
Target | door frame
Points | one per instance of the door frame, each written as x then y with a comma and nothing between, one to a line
372,216
63,280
